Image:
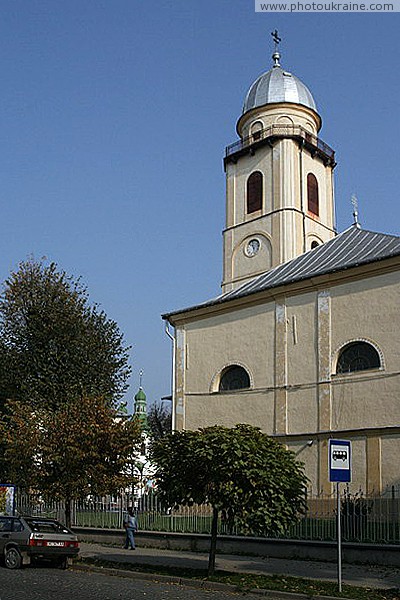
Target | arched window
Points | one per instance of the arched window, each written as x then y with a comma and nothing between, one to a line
256,130
358,356
314,244
312,194
254,192
234,378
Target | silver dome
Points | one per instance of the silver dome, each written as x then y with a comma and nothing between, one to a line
278,85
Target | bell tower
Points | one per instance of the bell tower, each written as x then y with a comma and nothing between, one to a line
279,179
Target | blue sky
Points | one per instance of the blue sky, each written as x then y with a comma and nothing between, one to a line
113,121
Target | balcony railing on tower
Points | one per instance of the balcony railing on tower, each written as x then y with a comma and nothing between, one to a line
275,132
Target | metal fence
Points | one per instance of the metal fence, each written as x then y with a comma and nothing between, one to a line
365,519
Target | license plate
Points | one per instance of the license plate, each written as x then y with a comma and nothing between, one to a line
57,544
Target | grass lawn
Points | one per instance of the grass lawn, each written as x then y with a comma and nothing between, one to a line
246,582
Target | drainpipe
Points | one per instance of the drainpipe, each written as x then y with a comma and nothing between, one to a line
169,334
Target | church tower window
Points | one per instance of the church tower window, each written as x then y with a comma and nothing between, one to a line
358,356
234,377
256,130
254,192
312,194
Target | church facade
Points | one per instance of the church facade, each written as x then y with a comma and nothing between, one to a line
303,340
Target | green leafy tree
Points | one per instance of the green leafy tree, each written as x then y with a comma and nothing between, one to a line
77,449
55,346
241,471
159,419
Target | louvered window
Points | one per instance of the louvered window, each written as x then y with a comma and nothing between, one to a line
312,194
254,192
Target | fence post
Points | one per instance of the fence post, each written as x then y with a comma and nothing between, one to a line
339,538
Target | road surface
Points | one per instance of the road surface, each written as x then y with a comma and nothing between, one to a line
43,583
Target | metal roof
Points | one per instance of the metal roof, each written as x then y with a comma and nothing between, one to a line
352,248
278,85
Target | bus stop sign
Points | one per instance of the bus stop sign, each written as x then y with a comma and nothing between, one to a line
340,460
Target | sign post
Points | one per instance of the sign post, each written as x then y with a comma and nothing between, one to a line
339,471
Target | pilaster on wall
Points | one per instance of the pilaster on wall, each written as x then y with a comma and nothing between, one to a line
374,466
288,201
324,360
180,379
280,369
324,385
324,485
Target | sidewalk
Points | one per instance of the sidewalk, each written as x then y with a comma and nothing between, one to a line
358,575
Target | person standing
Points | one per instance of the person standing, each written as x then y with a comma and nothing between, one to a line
131,527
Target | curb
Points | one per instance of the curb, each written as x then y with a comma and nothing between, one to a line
199,584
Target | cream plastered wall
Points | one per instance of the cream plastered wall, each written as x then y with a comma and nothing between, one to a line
288,346
211,345
241,227
285,112
237,176
390,450
248,337
229,410
307,454
367,309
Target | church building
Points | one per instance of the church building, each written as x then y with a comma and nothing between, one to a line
303,342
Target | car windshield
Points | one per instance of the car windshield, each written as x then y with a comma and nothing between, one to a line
40,526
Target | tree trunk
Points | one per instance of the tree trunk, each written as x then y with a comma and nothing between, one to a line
213,543
68,512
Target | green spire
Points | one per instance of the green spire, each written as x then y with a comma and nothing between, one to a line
140,405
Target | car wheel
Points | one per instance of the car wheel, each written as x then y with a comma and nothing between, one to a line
62,564
12,558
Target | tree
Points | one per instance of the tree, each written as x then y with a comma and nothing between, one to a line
63,368
240,470
159,419
67,453
55,346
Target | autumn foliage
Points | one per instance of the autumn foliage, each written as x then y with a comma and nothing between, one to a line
63,368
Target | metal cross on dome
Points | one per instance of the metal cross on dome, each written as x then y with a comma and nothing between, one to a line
276,39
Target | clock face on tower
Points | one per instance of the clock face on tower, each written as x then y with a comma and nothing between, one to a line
252,247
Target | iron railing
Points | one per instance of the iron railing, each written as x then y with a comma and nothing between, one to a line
277,131
365,519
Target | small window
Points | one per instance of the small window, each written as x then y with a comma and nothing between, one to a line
48,526
314,244
256,130
312,194
5,524
254,192
17,525
234,378
358,356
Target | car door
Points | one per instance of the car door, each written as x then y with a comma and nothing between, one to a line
5,531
